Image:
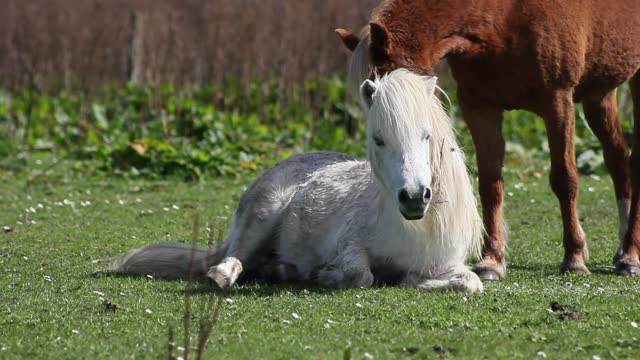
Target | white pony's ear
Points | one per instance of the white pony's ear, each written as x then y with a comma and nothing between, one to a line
431,84
367,89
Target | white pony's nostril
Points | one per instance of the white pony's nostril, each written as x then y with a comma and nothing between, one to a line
427,194
404,196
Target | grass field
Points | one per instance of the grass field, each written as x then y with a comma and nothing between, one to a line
53,306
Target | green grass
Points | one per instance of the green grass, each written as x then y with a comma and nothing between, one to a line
51,307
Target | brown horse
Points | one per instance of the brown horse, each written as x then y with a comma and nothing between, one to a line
537,55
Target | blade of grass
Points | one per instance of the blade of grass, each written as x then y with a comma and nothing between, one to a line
188,291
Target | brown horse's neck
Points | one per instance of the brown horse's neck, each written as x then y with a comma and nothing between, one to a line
426,31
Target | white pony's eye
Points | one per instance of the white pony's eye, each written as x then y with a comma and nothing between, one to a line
427,137
377,139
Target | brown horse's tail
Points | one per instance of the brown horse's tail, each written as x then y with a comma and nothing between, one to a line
167,260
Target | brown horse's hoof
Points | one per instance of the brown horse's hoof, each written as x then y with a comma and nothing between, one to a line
578,269
627,270
626,265
624,269
574,265
488,275
489,270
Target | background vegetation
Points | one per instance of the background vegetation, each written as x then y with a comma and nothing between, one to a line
219,87
158,130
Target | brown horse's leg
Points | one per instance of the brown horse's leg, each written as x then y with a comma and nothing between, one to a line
560,122
628,263
485,124
602,115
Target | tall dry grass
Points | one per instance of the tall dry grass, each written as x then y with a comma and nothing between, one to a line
52,44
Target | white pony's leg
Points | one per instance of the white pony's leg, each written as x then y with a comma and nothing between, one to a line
460,279
248,234
246,237
349,270
258,218
226,273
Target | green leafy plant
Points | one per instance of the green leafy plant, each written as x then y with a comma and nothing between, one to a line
225,130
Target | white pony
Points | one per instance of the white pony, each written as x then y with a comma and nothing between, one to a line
407,216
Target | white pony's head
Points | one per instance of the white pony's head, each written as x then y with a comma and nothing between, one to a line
399,137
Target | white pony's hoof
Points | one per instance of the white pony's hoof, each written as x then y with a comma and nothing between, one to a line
357,278
226,273
466,281
469,282
334,277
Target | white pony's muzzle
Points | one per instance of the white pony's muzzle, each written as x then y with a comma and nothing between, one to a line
414,206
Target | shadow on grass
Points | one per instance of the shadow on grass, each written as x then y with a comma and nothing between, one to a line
205,286
546,269
261,289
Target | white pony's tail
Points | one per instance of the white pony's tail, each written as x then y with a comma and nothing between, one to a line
168,260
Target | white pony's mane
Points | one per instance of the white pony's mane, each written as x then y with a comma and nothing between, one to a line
359,65
404,99
398,112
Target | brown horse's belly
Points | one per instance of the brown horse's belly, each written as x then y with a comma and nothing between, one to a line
613,53
600,79
515,84
509,85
